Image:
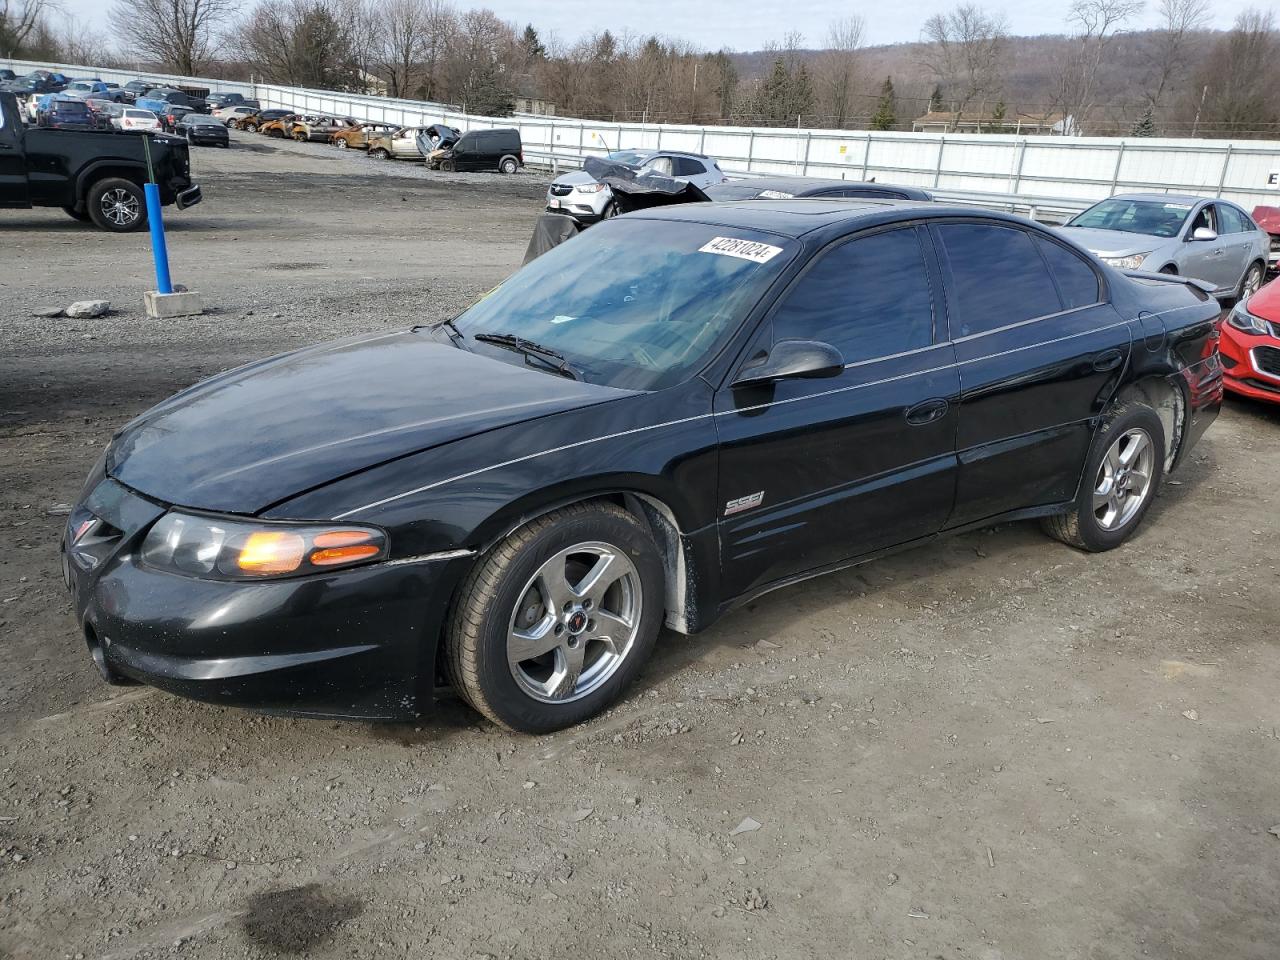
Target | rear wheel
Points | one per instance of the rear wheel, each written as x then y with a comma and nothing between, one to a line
300,137
117,205
509,165
380,153
251,127
1251,280
448,166
1121,477
556,620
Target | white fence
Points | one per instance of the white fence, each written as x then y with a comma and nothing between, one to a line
1045,172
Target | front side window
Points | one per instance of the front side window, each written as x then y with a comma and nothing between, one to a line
659,165
1204,220
997,277
868,298
633,303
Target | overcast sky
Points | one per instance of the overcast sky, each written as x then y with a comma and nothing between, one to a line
749,24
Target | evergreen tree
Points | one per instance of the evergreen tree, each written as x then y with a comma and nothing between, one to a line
1145,125
531,45
998,112
886,115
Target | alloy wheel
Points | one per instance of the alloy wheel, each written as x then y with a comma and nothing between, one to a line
1124,479
1252,281
120,206
575,623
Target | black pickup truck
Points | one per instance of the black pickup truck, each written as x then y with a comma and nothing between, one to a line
94,176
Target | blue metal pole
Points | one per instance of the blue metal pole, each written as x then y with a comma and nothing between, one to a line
158,249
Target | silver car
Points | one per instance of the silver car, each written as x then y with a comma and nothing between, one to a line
581,197
1210,240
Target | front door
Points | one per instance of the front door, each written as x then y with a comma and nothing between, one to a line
1040,351
817,471
13,164
1206,259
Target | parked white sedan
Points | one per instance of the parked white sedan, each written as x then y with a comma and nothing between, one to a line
135,119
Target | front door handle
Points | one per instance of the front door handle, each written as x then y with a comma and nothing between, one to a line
927,411
1108,360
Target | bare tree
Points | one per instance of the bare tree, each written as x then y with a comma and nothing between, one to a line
965,53
838,72
1095,24
411,42
301,42
180,35
19,19
1239,78
1179,22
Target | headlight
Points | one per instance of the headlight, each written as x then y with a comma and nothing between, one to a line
1242,319
589,187
1127,263
222,549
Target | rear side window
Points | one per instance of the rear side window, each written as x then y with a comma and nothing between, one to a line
868,298
1231,220
997,277
687,167
1077,282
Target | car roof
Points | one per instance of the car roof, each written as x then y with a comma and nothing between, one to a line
795,218
800,184
1161,197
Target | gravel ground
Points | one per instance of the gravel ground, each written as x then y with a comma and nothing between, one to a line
994,747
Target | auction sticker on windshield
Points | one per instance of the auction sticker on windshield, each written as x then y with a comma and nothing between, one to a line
742,249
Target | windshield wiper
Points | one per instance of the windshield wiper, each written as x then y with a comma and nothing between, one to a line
457,336
552,359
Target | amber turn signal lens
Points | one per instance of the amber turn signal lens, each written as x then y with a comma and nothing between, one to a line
340,538
271,552
336,555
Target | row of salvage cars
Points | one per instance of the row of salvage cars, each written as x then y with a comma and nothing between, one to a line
437,145
1213,241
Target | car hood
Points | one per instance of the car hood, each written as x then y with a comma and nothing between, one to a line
1268,218
246,439
1113,243
575,177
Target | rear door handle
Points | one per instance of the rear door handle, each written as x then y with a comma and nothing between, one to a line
1108,360
927,411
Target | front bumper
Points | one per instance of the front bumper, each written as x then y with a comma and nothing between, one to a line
1244,372
359,643
583,207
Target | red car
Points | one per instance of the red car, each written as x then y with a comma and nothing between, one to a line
1250,345
1268,218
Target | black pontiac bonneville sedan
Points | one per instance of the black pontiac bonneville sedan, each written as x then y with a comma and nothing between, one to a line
663,417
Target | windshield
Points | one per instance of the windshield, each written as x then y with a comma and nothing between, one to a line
633,303
632,158
1154,218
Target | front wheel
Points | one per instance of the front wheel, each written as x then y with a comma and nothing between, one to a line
1121,477
557,619
251,127
448,166
117,205
341,144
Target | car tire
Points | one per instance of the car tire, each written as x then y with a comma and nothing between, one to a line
509,165
300,137
1169,270
251,127
448,166
117,205
1111,503
501,605
610,210
341,144
380,153
75,213
1253,279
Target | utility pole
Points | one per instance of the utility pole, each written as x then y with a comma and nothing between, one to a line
1195,124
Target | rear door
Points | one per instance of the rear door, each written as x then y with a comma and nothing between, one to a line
13,164
817,471
1236,233
1040,351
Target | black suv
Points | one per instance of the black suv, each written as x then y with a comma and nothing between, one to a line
485,150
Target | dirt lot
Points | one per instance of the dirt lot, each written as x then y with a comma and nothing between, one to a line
993,748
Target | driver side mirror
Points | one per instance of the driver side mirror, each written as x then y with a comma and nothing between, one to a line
1203,233
792,360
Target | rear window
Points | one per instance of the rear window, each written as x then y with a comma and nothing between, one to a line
139,114
69,107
